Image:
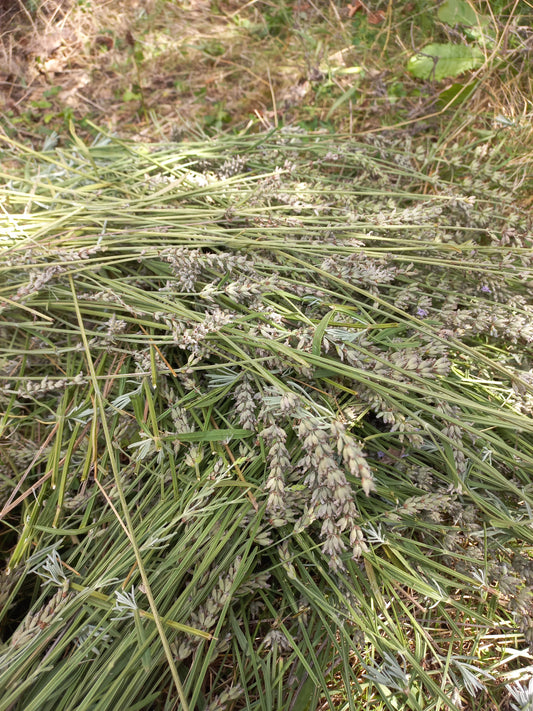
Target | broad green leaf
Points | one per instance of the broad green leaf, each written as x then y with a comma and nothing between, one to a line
456,94
440,61
458,12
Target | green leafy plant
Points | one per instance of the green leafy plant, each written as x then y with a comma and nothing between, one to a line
439,61
460,12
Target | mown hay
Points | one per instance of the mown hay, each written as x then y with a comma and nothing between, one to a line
267,425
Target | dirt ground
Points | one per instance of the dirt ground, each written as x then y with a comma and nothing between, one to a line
154,68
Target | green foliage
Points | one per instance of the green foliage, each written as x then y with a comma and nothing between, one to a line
277,20
131,95
218,118
266,410
440,61
458,12
456,94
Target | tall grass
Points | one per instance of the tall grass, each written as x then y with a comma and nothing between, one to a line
266,418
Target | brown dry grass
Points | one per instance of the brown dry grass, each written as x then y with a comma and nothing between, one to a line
154,69
188,60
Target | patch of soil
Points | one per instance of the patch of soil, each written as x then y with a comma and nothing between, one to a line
191,66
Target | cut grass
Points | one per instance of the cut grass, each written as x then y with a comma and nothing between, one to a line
210,353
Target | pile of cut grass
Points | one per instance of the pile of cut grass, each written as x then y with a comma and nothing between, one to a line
266,416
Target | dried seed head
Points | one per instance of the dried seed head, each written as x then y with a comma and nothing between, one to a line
245,404
279,468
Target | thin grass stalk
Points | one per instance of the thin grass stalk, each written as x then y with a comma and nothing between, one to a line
125,510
